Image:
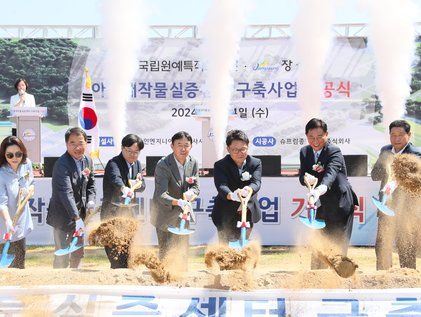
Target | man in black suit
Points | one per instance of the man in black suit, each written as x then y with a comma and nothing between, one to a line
237,173
73,196
326,165
116,187
399,133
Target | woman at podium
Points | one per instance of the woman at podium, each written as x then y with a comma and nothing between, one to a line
22,98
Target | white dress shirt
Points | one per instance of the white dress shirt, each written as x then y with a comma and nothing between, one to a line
180,169
400,152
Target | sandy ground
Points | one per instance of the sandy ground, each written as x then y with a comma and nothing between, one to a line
278,268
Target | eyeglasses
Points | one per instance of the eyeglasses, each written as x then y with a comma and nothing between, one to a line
241,150
10,155
136,153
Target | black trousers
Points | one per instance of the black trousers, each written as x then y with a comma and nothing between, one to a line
229,231
118,260
338,231
18,249
168,241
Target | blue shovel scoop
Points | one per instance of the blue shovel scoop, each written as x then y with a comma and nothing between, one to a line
387,190
73,244
184,216
7,259
311,221
243,224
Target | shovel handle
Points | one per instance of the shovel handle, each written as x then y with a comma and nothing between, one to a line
244,201
21,204
310,187
135,185
188,207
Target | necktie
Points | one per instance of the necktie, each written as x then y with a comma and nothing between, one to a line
132,171
316,157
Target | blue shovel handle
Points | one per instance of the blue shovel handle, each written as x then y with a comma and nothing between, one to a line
182,224
312,214
243,236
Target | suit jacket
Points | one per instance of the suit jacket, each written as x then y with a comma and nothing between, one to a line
339,200
379,171
29,100
71,192
116,176
170,186
227,179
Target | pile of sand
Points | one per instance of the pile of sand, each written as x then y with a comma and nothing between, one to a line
139,256
407,172
231,259
229,280
328,251
241,264
116,233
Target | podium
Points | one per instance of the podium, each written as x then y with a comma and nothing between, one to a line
28,127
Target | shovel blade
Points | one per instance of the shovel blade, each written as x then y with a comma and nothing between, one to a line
179,231
68,250
71,248
382,207
315,224
6,260
238,244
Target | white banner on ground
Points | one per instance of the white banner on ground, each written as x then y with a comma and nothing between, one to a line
281,199
124,300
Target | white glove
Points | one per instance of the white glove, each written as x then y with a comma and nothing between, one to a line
189,195
127,192
390,187
90,205
23,192
234,195
310,179
9,225
79,224
245,191
317,192
182,203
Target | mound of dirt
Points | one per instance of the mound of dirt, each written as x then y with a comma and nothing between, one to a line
342,265
229,280
228,258
240,264
145,256
116,233
407,172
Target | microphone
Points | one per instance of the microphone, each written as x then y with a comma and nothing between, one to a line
21,92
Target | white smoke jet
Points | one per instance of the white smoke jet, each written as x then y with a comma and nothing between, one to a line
392,37
311,35
124,32
222,31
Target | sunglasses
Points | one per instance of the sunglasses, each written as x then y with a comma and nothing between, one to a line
10,155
